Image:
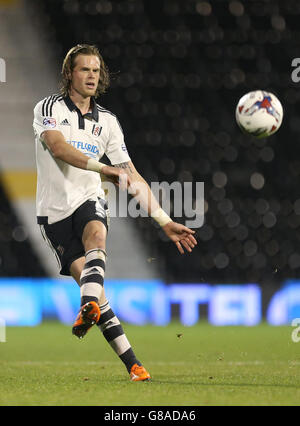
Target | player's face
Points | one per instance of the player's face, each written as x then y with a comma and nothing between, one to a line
85,75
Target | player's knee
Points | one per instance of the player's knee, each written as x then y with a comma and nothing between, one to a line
96,239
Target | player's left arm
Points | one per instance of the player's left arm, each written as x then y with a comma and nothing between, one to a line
181,235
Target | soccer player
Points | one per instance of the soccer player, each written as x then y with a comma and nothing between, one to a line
72,133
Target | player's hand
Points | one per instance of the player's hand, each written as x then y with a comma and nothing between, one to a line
117,176
181,236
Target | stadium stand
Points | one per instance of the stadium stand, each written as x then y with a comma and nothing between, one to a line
32,74
179,70
17,256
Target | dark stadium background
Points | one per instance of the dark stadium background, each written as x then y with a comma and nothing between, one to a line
179,69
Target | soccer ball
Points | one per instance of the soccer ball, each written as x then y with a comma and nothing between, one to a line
259,113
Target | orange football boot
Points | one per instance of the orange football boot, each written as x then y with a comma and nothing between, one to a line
89,315
139,373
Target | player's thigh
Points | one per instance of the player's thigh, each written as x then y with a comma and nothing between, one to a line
94,235
90,223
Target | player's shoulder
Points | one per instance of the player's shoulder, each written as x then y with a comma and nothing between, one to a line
110,116
103,110
45,106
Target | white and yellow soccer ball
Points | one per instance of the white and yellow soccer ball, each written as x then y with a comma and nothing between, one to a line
259,113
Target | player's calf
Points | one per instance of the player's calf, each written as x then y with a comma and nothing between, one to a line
113,332
92,276
91,286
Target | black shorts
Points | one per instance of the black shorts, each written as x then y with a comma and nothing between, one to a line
65,237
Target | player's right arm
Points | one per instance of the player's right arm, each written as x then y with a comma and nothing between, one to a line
60,149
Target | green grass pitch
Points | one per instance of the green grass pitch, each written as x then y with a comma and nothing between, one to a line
199,365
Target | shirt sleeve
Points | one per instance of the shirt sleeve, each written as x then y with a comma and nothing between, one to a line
45,116
116,149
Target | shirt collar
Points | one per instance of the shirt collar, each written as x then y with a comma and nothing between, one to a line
94,114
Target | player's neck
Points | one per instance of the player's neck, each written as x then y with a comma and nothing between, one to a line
82,103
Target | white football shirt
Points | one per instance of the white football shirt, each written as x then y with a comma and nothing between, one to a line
62,188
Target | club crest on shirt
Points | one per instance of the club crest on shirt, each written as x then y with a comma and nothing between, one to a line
49,122
96,130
